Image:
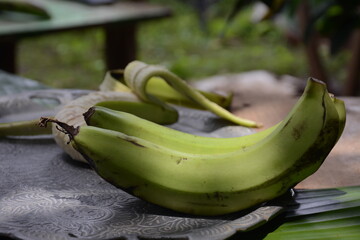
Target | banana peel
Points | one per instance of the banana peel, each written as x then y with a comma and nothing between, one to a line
157,86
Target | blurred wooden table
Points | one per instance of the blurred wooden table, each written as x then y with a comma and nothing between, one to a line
119,21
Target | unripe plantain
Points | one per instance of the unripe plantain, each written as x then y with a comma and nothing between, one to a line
132,125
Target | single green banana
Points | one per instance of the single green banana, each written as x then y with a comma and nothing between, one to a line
114,81
23,128
132,125
25,6
147,111
205,184
137,74
115,117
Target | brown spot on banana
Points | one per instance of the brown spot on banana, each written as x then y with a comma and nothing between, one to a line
181,159
132,141
298,130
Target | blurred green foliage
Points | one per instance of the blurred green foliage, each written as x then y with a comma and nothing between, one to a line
64,60
75,59
193,53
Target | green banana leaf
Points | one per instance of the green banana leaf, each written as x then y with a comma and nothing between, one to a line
30,7
313,215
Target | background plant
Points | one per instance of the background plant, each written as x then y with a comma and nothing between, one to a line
183,43
333,24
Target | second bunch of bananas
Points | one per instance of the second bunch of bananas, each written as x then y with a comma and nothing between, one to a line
210,176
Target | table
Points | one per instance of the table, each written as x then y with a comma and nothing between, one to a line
119,21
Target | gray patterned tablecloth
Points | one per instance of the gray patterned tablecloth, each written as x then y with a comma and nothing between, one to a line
45,195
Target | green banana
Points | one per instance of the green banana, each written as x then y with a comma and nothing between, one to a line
214,184
137,74
132,125
23,128
161,89
147,111
114,81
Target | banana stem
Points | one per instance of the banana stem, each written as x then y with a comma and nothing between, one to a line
71,131
23,128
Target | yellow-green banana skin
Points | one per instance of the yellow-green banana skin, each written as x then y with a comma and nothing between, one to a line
206,184
159,88
147,111
132,125
135,126
137,74
114,81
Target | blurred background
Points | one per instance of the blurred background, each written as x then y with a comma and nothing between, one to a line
210,37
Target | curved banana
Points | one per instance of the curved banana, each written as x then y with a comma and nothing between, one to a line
160,88
132,125
146,111
114,81
23,128
206,184
137,74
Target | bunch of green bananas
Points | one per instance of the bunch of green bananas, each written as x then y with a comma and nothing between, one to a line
209,176
147,91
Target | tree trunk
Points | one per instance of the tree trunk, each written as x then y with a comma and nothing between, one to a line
316,67
352,83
